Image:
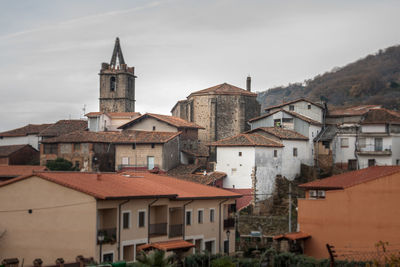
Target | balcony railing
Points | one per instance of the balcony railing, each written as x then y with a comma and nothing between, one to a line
175,230
140,168
110,235
229,223
158,229
374,150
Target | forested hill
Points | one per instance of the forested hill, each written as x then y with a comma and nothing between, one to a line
374,79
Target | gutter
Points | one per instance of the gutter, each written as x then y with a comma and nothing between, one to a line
119,227
184,218
220,220
148,219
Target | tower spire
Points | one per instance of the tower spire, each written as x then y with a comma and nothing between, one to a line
117,52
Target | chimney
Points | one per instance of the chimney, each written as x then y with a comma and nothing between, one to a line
248,83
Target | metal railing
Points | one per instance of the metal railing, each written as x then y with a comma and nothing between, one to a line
229,223
135,167
158,229
175,230
110,235
372,148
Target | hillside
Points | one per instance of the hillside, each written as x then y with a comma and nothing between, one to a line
374,79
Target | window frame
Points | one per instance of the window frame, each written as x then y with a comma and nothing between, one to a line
295,152
275,153
342,142
186,218
212,218
144,218
200,219
129,213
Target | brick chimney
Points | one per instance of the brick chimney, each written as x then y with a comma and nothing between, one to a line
248,83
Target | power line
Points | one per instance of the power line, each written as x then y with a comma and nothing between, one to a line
51,207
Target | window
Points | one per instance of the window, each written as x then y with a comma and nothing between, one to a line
212,215
309,106
378,144
126,220
77,146
277,122
134,146
344,142
125,160
153,145
352,164
315,194
200,216
275,153
50,148
141,219
188,217
291,107
362,142
108,257
371,162
326,144
240,154
113,84
154,128
295,152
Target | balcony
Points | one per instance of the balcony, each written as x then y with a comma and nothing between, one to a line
374,150
158,229
175,230
110,235
229,223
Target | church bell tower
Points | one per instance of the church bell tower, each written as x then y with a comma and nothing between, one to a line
117,84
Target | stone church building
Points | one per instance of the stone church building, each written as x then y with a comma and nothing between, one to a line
117,84
223,110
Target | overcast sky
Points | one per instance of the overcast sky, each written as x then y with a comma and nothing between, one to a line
51,51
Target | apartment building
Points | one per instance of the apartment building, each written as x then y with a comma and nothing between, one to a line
110,216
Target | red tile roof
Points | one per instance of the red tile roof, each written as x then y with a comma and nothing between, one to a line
26,130
6,151
351,111
292,236
137,185
171,120
167,245
247,139
382,115
246,199
294,114
294,101
64,126
281,133
353,178
124,137
188,173
223,89
19,170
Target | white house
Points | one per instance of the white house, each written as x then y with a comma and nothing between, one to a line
28,134
302,106
295,151
101,121
251,161
290,120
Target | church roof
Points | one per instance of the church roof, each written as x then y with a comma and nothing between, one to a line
223,89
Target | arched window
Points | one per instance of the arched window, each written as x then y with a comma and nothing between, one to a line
113,84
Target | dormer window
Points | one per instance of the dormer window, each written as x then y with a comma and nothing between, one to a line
113,84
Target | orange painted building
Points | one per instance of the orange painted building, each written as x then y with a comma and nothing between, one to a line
351,211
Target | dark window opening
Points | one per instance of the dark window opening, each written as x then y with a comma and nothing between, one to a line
309,106
126,216
133,146
294,152
291,107
275,153
153,145
352,164
240,154
77,164
200,216
154,128
50,148
371,162
325,144
113,84
188,218
142,218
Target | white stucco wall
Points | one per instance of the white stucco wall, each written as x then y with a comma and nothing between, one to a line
373,128
238,168
148,123
301,107
379,160
343,154
291,164
32,140
395,149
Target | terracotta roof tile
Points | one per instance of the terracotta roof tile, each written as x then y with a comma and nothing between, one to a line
171,120
246,199
124,137
188,173
167,245
19,170
381,115
353,178
294,101
6,151
247,139
26,130
281,133
137,185
292,236
64,126
223,89
351,111
200,151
